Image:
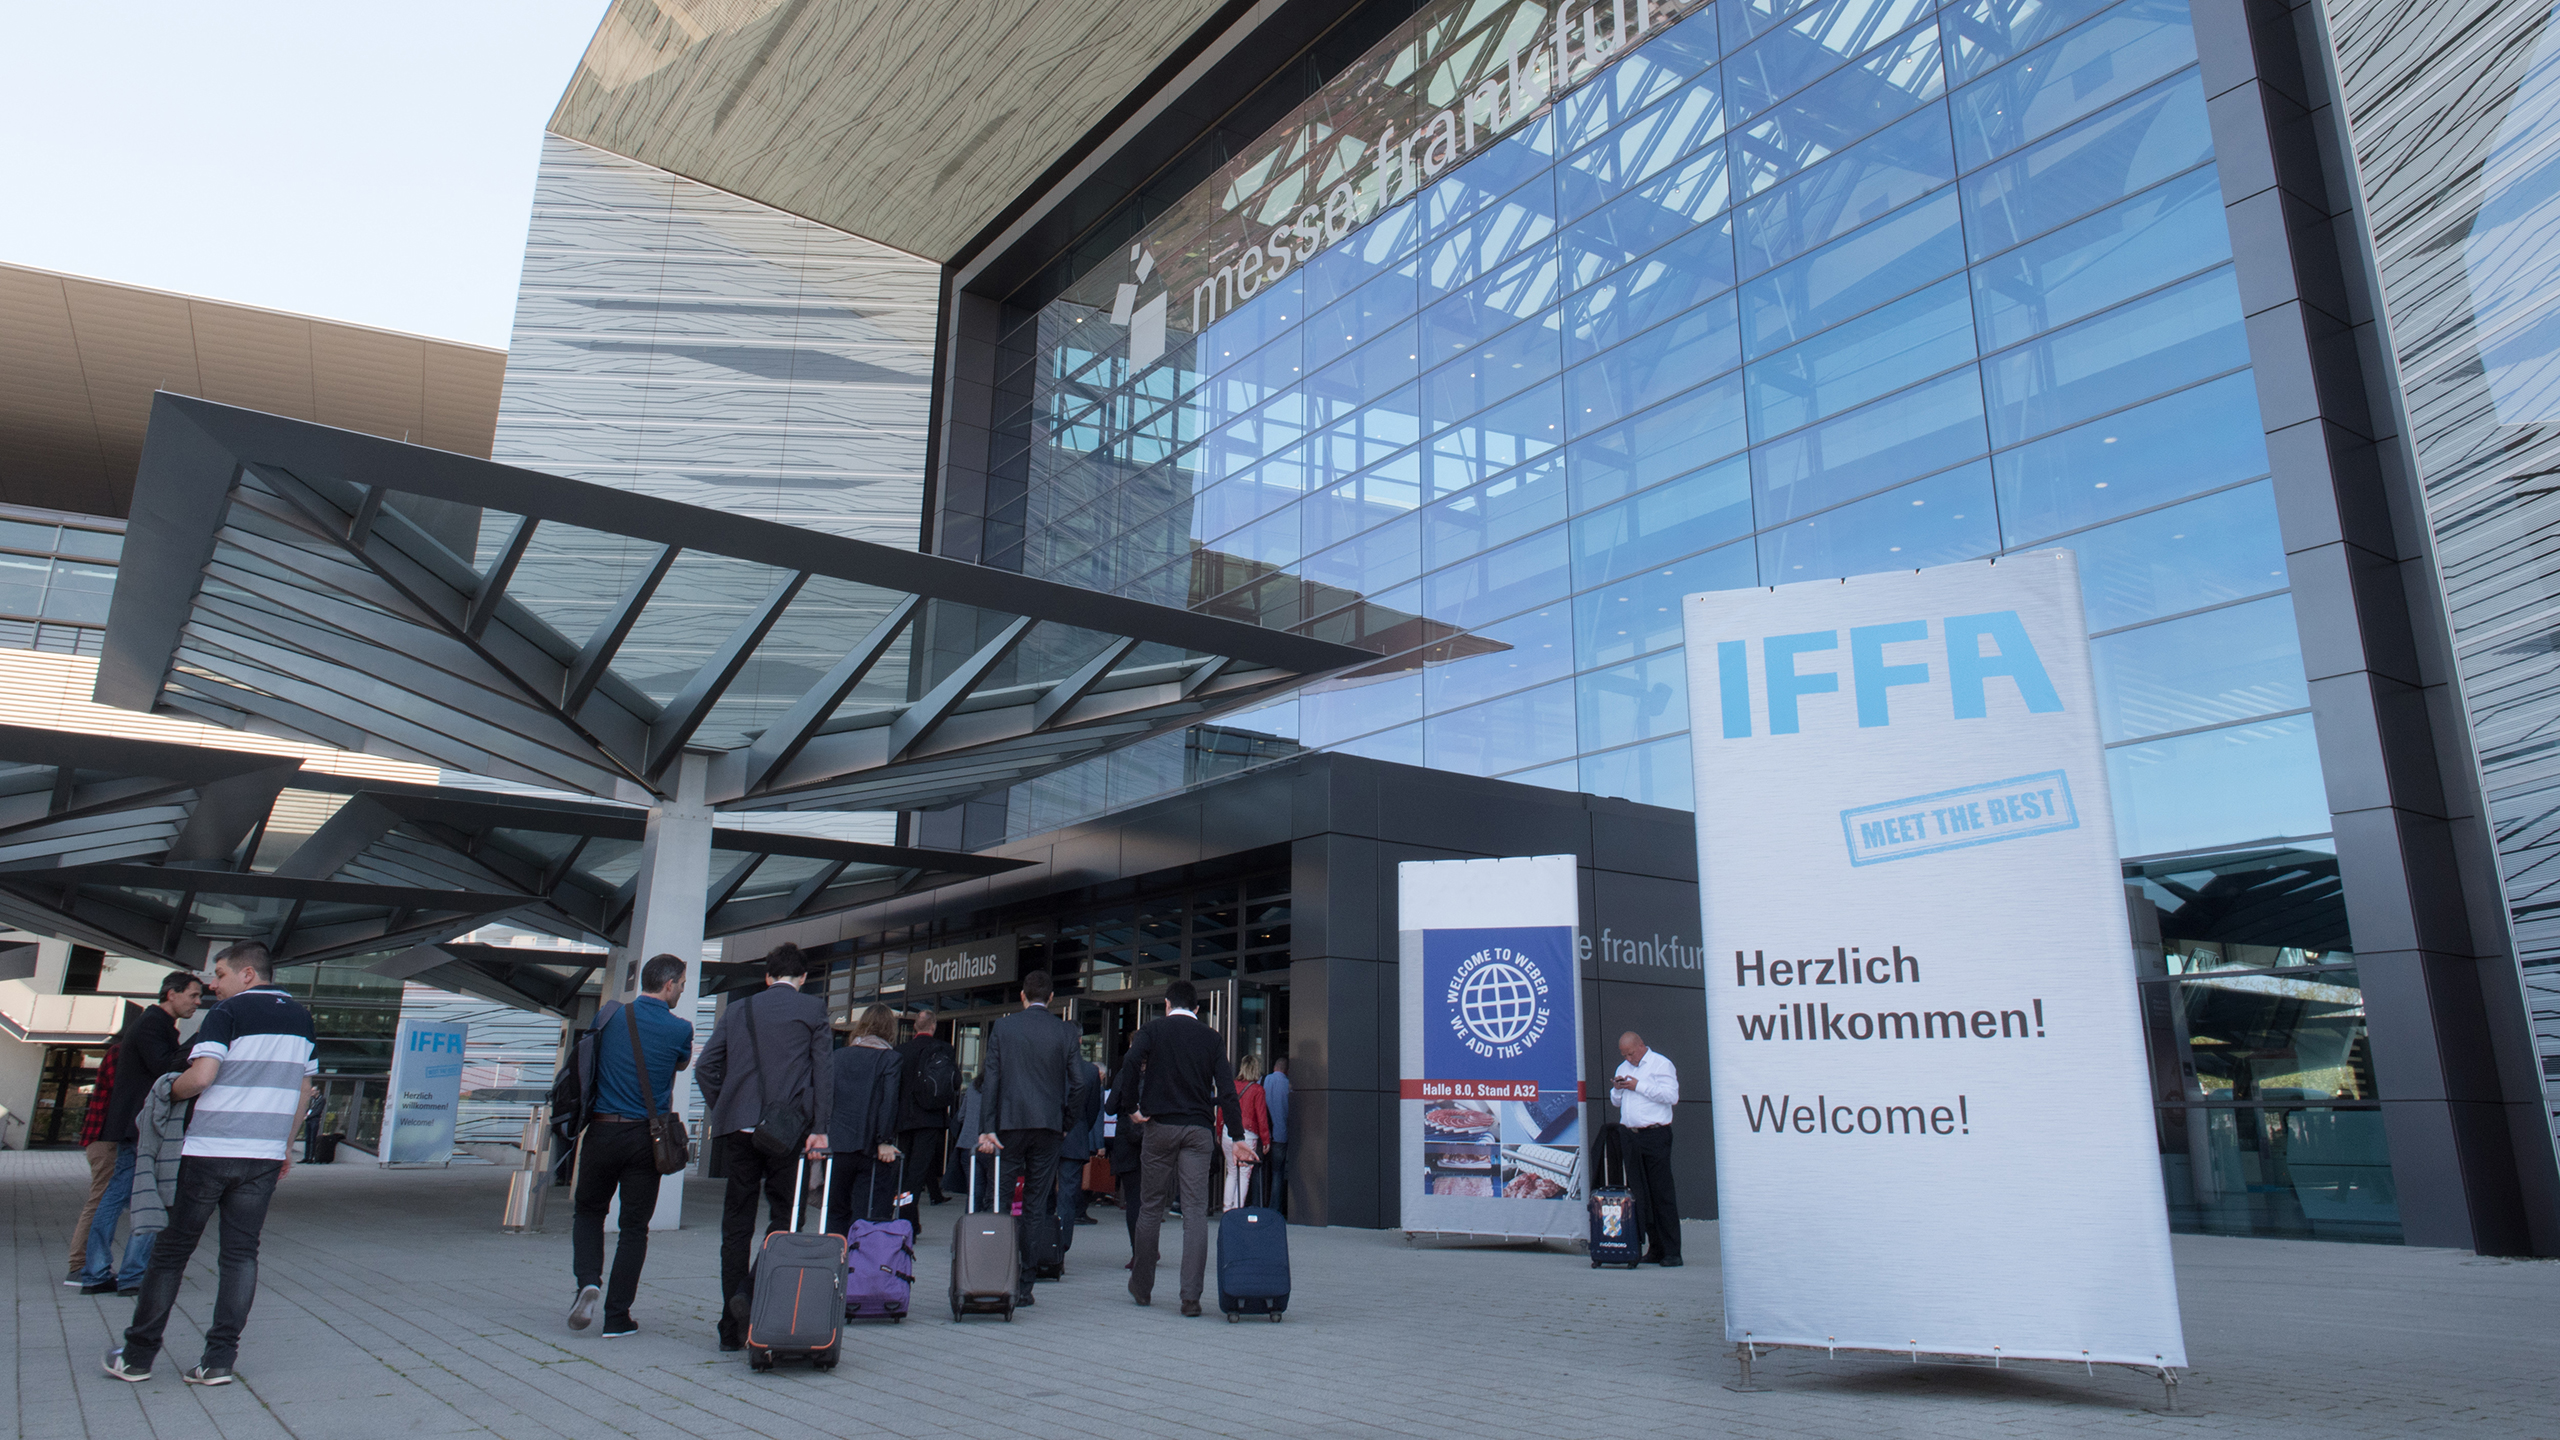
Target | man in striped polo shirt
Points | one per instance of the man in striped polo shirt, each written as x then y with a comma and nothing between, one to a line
249,1074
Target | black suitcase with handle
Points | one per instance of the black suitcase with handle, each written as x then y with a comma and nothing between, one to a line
797,1312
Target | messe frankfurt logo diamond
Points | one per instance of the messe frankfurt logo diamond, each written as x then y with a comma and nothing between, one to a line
1499,1002
1145,322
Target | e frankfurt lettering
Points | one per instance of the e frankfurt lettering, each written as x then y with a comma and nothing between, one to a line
1781,1115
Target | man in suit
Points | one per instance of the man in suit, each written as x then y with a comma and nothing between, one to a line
1035,1086
770,1048
1176,1081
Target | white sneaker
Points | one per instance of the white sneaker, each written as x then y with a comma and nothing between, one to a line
114,1365
583,1313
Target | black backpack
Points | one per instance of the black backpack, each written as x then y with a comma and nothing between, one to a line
937,1079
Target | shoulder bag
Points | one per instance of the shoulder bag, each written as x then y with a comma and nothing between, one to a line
784,1125
667,1144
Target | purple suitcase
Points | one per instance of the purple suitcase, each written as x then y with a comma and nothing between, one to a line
880,1265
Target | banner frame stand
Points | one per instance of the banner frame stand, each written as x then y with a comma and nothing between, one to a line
1746,1351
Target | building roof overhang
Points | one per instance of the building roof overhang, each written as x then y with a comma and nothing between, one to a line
296,580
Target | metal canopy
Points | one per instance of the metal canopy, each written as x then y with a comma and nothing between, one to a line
296,580
166,851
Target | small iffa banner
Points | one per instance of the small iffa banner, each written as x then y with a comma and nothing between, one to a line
1492,1049
1933,1129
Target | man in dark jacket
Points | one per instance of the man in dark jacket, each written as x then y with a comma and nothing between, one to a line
769,1049
928,1086
1035,1087
1083,1137
1176,1081
147,1050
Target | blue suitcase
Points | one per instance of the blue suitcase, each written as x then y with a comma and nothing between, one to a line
1253,1259
1617,1227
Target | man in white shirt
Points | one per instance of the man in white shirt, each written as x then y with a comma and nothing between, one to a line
1646,1088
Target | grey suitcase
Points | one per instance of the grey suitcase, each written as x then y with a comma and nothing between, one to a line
985,1259
797,1310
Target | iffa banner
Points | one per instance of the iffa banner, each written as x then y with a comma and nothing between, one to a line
426,1089
1932,1120
1492,1052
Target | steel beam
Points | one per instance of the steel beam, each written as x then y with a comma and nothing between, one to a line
685,713
598,652
918,721
783,739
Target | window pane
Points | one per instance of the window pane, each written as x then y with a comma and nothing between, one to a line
1511,294
1522,502
1654,70
1382,558
2226,664
1639,701
1661,362
2082,269
1356,319
1936,521
1854,274
2197,439
1660,525
2201,553
1362,256
1642,612
1523,157
2130,149
22,582
1873,355
1650,291
1923,429
1374,369
1643,147
1501,231
1500,582
1662,442
2223,787
1812,45
1495,368
1655,774
1983,34
1499,658
1512,433
90,544
1654,214
2173,338
2099,63
1897,166
1821,121
80,593
19,535
1534,727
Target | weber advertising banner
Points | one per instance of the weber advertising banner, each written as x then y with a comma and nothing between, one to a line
426,1091
1492,1054
1931,1112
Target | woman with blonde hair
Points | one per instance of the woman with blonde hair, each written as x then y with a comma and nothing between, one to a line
862,1125
1257,1128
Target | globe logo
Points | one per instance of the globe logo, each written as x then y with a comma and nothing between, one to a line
1499,1004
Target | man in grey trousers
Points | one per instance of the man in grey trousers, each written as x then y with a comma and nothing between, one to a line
770,1048
1176,1081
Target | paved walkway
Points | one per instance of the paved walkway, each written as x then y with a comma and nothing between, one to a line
389,1304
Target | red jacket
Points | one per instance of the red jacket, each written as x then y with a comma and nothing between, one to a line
1257,1114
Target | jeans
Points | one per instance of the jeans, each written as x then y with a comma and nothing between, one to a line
239,1189
102,1172
102,1232
614,1155
1278,1160
1032,1157
1174,1154
864,1189
921,1160
1649,1167
751,1173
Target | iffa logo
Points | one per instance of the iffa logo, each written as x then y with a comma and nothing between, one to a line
1978,648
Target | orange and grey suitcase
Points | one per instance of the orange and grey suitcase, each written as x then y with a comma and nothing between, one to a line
797,1312
984,1257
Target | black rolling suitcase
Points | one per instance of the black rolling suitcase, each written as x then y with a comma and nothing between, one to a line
1617,1230
1253,1258
984,1259
797,1312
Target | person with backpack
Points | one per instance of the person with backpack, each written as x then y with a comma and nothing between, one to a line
863,1125
928,1086
617,1156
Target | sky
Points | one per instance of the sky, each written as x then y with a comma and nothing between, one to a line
365,162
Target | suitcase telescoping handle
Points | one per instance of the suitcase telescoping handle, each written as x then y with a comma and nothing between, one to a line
972,1201
800,1186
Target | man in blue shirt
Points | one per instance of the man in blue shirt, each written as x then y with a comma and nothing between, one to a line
1275,1093
614,1152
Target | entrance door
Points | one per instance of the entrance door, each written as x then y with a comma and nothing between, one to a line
1110,1021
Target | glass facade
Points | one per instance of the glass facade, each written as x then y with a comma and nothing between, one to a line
57,577
1782,293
